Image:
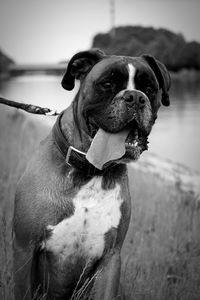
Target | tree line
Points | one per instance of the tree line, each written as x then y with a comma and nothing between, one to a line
170,48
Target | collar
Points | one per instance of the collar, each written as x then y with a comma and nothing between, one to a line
73,157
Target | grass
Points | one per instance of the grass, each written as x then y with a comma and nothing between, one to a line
161,254
19,137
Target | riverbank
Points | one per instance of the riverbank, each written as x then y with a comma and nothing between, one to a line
185,79
161,253
185,75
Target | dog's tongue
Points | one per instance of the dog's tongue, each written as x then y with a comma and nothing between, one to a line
106,147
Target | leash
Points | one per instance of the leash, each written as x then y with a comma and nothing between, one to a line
73,157
30,108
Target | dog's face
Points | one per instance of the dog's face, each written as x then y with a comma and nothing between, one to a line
118,93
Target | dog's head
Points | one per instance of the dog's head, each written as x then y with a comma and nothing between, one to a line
118,94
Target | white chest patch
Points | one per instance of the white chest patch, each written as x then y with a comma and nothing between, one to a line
131,72
96,211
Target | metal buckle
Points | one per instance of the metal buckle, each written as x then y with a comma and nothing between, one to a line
69,153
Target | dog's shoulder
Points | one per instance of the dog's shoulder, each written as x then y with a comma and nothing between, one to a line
41,197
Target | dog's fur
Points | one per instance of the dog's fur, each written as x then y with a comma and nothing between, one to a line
70,226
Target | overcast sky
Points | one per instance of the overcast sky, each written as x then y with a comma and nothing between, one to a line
53,30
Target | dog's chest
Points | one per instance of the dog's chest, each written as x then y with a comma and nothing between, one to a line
96,212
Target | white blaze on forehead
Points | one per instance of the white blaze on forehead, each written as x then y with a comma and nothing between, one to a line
131,72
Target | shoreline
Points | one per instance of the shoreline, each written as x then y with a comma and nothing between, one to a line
181,176
186,76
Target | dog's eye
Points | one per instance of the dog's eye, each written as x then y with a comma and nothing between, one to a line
107,85
148,90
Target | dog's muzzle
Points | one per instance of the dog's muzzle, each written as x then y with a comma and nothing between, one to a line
121,129
133,97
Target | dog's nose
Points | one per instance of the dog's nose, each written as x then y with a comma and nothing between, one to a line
135,97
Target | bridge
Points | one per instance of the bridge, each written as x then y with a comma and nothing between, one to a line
20,69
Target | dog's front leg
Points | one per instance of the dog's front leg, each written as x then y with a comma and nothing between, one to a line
107,280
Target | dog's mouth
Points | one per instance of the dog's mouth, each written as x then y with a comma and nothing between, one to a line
125,145
136,135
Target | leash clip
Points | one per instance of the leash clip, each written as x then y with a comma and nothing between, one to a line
70,149
52,112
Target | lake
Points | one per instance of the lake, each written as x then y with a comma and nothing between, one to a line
176,135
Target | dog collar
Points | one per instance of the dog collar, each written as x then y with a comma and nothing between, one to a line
73,157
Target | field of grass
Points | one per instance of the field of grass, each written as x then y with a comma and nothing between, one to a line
19,136
161,254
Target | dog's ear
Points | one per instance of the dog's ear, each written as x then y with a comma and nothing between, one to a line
162,76
79,65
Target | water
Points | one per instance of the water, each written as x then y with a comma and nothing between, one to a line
175,136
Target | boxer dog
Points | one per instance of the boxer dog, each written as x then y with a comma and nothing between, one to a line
72,207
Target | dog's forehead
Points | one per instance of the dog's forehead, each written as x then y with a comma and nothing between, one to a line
107,66
118,64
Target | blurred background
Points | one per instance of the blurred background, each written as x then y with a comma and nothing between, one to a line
37,38
161,253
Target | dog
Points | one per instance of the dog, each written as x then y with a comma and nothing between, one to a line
72,206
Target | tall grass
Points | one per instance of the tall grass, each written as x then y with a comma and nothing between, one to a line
161,253
19,136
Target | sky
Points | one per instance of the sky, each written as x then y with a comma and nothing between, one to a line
49,31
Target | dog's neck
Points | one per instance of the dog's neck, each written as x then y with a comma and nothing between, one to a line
74,135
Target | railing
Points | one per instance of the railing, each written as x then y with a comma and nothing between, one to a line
19,69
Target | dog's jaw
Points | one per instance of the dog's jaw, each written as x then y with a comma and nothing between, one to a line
137,129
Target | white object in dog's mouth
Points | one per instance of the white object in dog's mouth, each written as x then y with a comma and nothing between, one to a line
106,146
